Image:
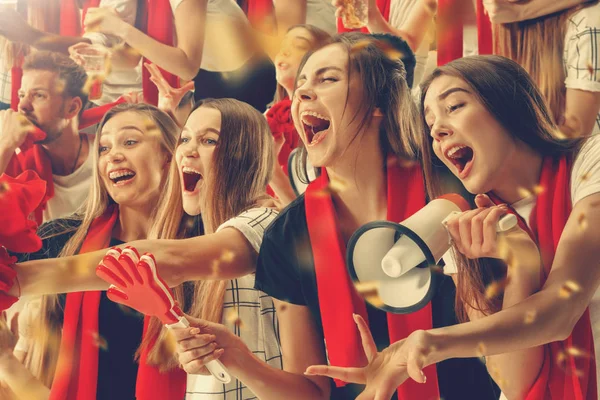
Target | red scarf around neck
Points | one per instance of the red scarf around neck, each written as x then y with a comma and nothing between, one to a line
384,7
576,379
34,157
338,298
449,25
76,375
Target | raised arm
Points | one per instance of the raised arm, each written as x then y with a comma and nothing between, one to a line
289,13
506,11
223,255
184,59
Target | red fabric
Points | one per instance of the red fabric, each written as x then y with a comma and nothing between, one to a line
152,384
280,121
576,379
94,115
384,8
70,24
76,375
16,75
20,195
159,27
338,298
257,11
77,369
449,25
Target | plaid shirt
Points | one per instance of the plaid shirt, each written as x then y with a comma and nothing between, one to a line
580,57
247,312
5,88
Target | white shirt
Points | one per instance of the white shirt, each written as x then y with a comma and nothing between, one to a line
259,328
321,13
223,48
119,81
580,57
71,191
399,12
586,163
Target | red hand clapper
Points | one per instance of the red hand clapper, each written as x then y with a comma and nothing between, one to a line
135,283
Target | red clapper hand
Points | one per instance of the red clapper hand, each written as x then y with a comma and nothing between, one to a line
135,283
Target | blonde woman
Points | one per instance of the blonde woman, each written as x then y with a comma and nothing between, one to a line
134,148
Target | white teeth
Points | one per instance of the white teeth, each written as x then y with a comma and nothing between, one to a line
314,114
453,150
188,170
121,173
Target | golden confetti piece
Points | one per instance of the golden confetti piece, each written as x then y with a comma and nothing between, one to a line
282,308
227,256
590,68
582,221
568,289
523,192
530,316
100,341
107,66
481,349
232,317
4,187
360,45
576,352
370,292
496,288
436,269
538,189
337,185
91,81
585,176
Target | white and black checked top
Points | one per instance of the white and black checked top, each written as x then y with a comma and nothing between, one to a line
258,329
580,58
5,78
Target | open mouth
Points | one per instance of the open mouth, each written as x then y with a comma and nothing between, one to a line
121,177
462,158
315,127
191,177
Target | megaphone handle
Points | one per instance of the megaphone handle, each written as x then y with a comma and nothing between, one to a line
506,223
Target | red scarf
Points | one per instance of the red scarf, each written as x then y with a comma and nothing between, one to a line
338,299
34,157
77,369
450,31
384,7
71,17
20,195
280,121
547,221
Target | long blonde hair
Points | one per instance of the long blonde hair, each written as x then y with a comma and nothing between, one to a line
538,46
242,166
42,356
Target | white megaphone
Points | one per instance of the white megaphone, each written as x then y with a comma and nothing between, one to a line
299,183
397,257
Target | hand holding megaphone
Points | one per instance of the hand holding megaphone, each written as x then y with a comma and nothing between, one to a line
397,256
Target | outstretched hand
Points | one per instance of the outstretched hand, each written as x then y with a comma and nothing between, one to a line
386,370
168,96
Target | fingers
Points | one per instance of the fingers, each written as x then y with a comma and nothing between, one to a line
354,375
107,273
483,201
198,365
198,352
464,228
128,259
490,235
187,87
186,333
414,366
367,340
117,295
477,227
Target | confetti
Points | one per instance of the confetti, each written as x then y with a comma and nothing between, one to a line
523,192
4,187
585,176
100,341
496,288
337,185
360,45
436,269
530,317
538,189
370,292
562,357
227,256
590,68
568,289
481,349
59,87
91,81
232,317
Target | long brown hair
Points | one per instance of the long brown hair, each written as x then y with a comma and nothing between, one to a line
43,354
242,166
538,45
320,37
384,87
509,94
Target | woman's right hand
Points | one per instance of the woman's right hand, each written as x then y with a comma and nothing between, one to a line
206,341
168,96
340,8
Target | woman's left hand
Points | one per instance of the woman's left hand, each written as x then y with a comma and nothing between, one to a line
387,369
104,20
